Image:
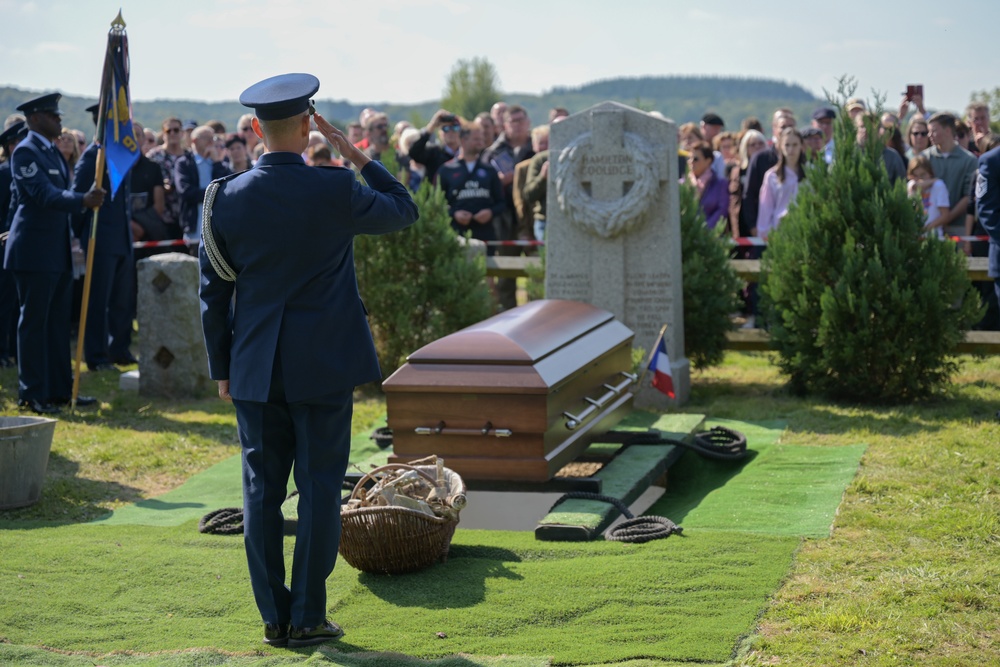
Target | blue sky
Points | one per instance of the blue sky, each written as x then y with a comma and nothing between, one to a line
402,50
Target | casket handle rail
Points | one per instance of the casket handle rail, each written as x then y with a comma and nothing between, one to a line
574,422
442,429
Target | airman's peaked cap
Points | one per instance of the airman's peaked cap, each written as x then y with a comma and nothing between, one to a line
281,96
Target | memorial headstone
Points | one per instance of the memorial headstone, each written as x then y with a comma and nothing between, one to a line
173,362
613,234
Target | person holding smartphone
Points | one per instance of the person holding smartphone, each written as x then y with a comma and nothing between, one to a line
914,95
432,156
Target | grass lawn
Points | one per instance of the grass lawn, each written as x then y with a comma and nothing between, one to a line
910,574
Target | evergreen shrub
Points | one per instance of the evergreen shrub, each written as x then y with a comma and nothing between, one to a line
860,305
418,284
710,283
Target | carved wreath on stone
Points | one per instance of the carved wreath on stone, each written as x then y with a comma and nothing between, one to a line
606,219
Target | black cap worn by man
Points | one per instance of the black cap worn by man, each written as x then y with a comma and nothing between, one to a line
824,113
712,119
49,102
93,110
18,130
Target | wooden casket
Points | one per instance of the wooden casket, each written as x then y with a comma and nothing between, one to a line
514,397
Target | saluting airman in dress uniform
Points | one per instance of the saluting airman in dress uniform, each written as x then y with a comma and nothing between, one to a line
293,345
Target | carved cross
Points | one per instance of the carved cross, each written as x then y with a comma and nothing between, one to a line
608,169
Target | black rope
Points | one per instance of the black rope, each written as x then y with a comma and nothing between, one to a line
719,443
382,437
634,529
226,521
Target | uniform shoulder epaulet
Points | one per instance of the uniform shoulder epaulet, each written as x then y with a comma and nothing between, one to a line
227,177
219,263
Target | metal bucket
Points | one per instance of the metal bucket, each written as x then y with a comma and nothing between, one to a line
24,454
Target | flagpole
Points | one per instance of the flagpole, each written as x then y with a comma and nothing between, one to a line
117,29
652,353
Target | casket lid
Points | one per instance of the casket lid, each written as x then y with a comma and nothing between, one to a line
520,336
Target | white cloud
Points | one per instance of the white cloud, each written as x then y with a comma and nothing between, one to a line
45,48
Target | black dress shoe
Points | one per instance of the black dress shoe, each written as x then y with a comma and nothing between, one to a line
37,406
299,637
81,401
276,634
126,360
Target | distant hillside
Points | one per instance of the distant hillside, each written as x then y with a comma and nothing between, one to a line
682,98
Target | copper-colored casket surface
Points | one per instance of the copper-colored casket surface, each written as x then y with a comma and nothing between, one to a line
514,397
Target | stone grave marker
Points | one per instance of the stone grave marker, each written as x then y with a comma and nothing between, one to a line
173,362
613,227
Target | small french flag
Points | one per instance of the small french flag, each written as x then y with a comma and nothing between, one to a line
660,365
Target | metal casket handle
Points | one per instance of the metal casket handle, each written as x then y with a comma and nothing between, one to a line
442,429
574,422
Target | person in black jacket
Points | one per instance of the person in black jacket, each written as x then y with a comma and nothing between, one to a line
108,333
472,188
192,174
432,156
9,140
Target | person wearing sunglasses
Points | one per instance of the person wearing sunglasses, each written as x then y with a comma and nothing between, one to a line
245,132
377,135
166,155
713,192
432,156
38,253
917,137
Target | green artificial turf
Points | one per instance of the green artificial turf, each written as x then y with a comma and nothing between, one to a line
780,490
217,487
145,589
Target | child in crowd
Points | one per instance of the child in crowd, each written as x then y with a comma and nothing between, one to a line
781,182
932,191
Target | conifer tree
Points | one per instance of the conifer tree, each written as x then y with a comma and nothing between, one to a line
710,283
862,306
418,284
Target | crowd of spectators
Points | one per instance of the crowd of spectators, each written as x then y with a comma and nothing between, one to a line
936,155
494,168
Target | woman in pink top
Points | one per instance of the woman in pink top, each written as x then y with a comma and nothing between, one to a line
781,182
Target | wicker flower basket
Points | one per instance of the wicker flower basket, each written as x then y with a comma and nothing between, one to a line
394,540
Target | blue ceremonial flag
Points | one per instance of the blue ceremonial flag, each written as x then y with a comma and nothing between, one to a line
116,134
